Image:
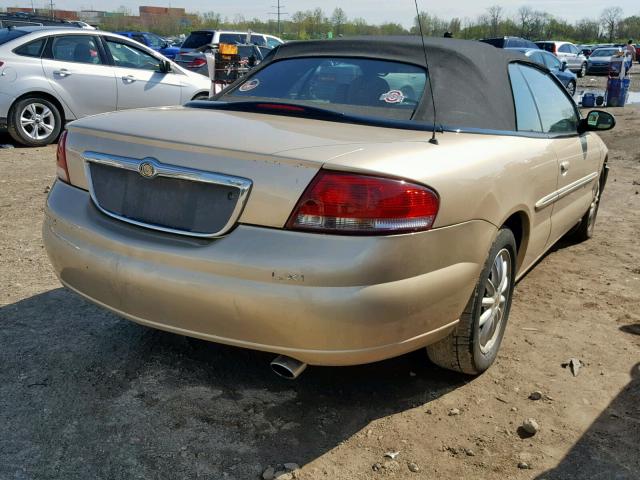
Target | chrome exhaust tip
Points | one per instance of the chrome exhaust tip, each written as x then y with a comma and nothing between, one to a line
287,367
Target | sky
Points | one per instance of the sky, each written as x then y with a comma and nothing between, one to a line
374,11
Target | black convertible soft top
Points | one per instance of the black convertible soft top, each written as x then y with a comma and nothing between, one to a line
470,79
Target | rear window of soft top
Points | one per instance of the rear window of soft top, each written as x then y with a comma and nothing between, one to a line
357,86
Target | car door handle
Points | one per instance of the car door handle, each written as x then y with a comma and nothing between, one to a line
129,78
63,72
564,168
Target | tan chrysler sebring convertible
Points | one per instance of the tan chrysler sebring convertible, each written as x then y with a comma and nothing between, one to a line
342,204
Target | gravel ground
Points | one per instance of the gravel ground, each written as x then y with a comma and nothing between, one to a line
87,395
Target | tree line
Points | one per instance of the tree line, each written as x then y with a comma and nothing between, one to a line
611,25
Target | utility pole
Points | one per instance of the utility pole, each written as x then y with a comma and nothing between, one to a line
278,13
53,16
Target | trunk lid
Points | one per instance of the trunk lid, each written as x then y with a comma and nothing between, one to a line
280,155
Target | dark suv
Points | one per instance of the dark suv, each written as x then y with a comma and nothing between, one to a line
509,42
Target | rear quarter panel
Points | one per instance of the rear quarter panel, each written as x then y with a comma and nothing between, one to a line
478,177
22,75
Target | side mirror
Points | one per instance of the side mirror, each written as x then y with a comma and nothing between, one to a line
597,121
564,66
164,66
165,45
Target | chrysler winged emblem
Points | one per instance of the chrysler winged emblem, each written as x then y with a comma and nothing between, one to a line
147,169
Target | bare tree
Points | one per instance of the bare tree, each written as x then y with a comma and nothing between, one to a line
338,19
540,25
318,20
455,26
360,26
525,16
610,18
587,30
211,19
495,17
629,27
298,21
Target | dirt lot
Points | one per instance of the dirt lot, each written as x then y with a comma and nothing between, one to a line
87,395
600,81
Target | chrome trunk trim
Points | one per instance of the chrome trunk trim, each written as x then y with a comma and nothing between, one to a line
170,171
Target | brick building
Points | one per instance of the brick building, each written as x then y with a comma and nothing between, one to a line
45,12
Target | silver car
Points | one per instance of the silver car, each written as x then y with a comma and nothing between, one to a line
601,58
568,53
49,76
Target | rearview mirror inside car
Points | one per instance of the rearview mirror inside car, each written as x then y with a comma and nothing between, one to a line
597,121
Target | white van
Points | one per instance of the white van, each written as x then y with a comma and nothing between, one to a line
198,38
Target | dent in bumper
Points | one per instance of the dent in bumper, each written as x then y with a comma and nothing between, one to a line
325,300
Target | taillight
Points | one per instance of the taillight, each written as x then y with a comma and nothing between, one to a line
197,62
348,203
61,158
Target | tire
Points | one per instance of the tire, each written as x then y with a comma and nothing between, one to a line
584,230
34,121
472,348
201,96
583,70
571,88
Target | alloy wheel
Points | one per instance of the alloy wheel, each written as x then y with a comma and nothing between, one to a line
497,290
583,70
37,121
571,88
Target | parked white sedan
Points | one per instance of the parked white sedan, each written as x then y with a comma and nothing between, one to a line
51,75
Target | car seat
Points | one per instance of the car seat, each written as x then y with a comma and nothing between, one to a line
82,53
366,90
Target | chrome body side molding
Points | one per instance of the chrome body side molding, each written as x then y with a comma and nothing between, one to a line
564,191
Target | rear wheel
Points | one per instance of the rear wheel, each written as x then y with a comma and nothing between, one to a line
473,345
584,230
201,96
583,70
34,121
571,88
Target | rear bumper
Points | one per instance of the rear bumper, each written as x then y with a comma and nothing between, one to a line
324,300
